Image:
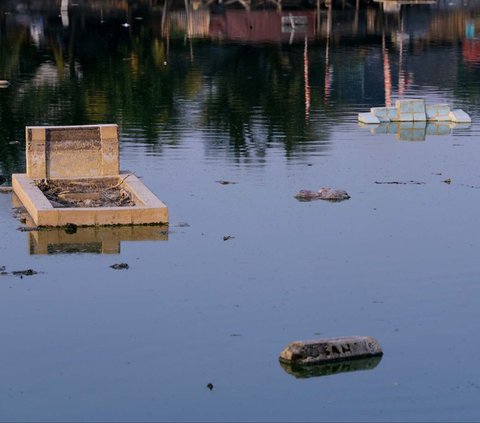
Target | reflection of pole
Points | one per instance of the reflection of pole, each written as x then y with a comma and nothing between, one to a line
164,17
327,81
401,75
355,22
307,82
189,23
387,77
64,13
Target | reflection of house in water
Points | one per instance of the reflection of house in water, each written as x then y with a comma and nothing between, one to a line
263,26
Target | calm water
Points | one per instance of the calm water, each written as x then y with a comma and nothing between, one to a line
275,114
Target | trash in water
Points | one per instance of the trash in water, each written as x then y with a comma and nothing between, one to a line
120,266
328,194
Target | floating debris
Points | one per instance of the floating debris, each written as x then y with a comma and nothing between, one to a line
399,182
4,83
120,266
330,349
63,194
227,237
70,228
328,194
447,181
224,182
210,386
21,273
182,225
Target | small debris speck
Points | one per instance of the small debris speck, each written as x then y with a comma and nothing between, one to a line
120,266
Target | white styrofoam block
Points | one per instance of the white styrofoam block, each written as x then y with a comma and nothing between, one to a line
368,118
438,112
385,114
459,116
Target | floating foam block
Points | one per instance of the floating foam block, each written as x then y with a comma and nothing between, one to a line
459,116
438,112
411,110
368,118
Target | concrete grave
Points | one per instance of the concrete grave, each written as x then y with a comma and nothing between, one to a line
86,157
413,110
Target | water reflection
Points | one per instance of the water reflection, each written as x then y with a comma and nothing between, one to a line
245,81
414,131
326,369
98,240
92,239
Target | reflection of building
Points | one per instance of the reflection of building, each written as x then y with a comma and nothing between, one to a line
263,26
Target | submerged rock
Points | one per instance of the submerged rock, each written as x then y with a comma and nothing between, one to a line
328,194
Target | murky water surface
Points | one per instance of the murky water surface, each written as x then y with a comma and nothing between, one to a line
273,113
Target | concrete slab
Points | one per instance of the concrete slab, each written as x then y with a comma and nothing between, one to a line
438,112
411,110
368,118
459,116
56,152
148,208
385,114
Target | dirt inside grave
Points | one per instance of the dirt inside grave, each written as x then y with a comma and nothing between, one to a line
86,193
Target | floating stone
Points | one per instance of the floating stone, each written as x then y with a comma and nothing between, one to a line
330,349
459,116
368,118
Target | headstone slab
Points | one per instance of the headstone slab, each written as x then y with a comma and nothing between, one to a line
411,110
459,116
385,114
368,118
69,152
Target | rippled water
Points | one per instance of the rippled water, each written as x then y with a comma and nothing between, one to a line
84,342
